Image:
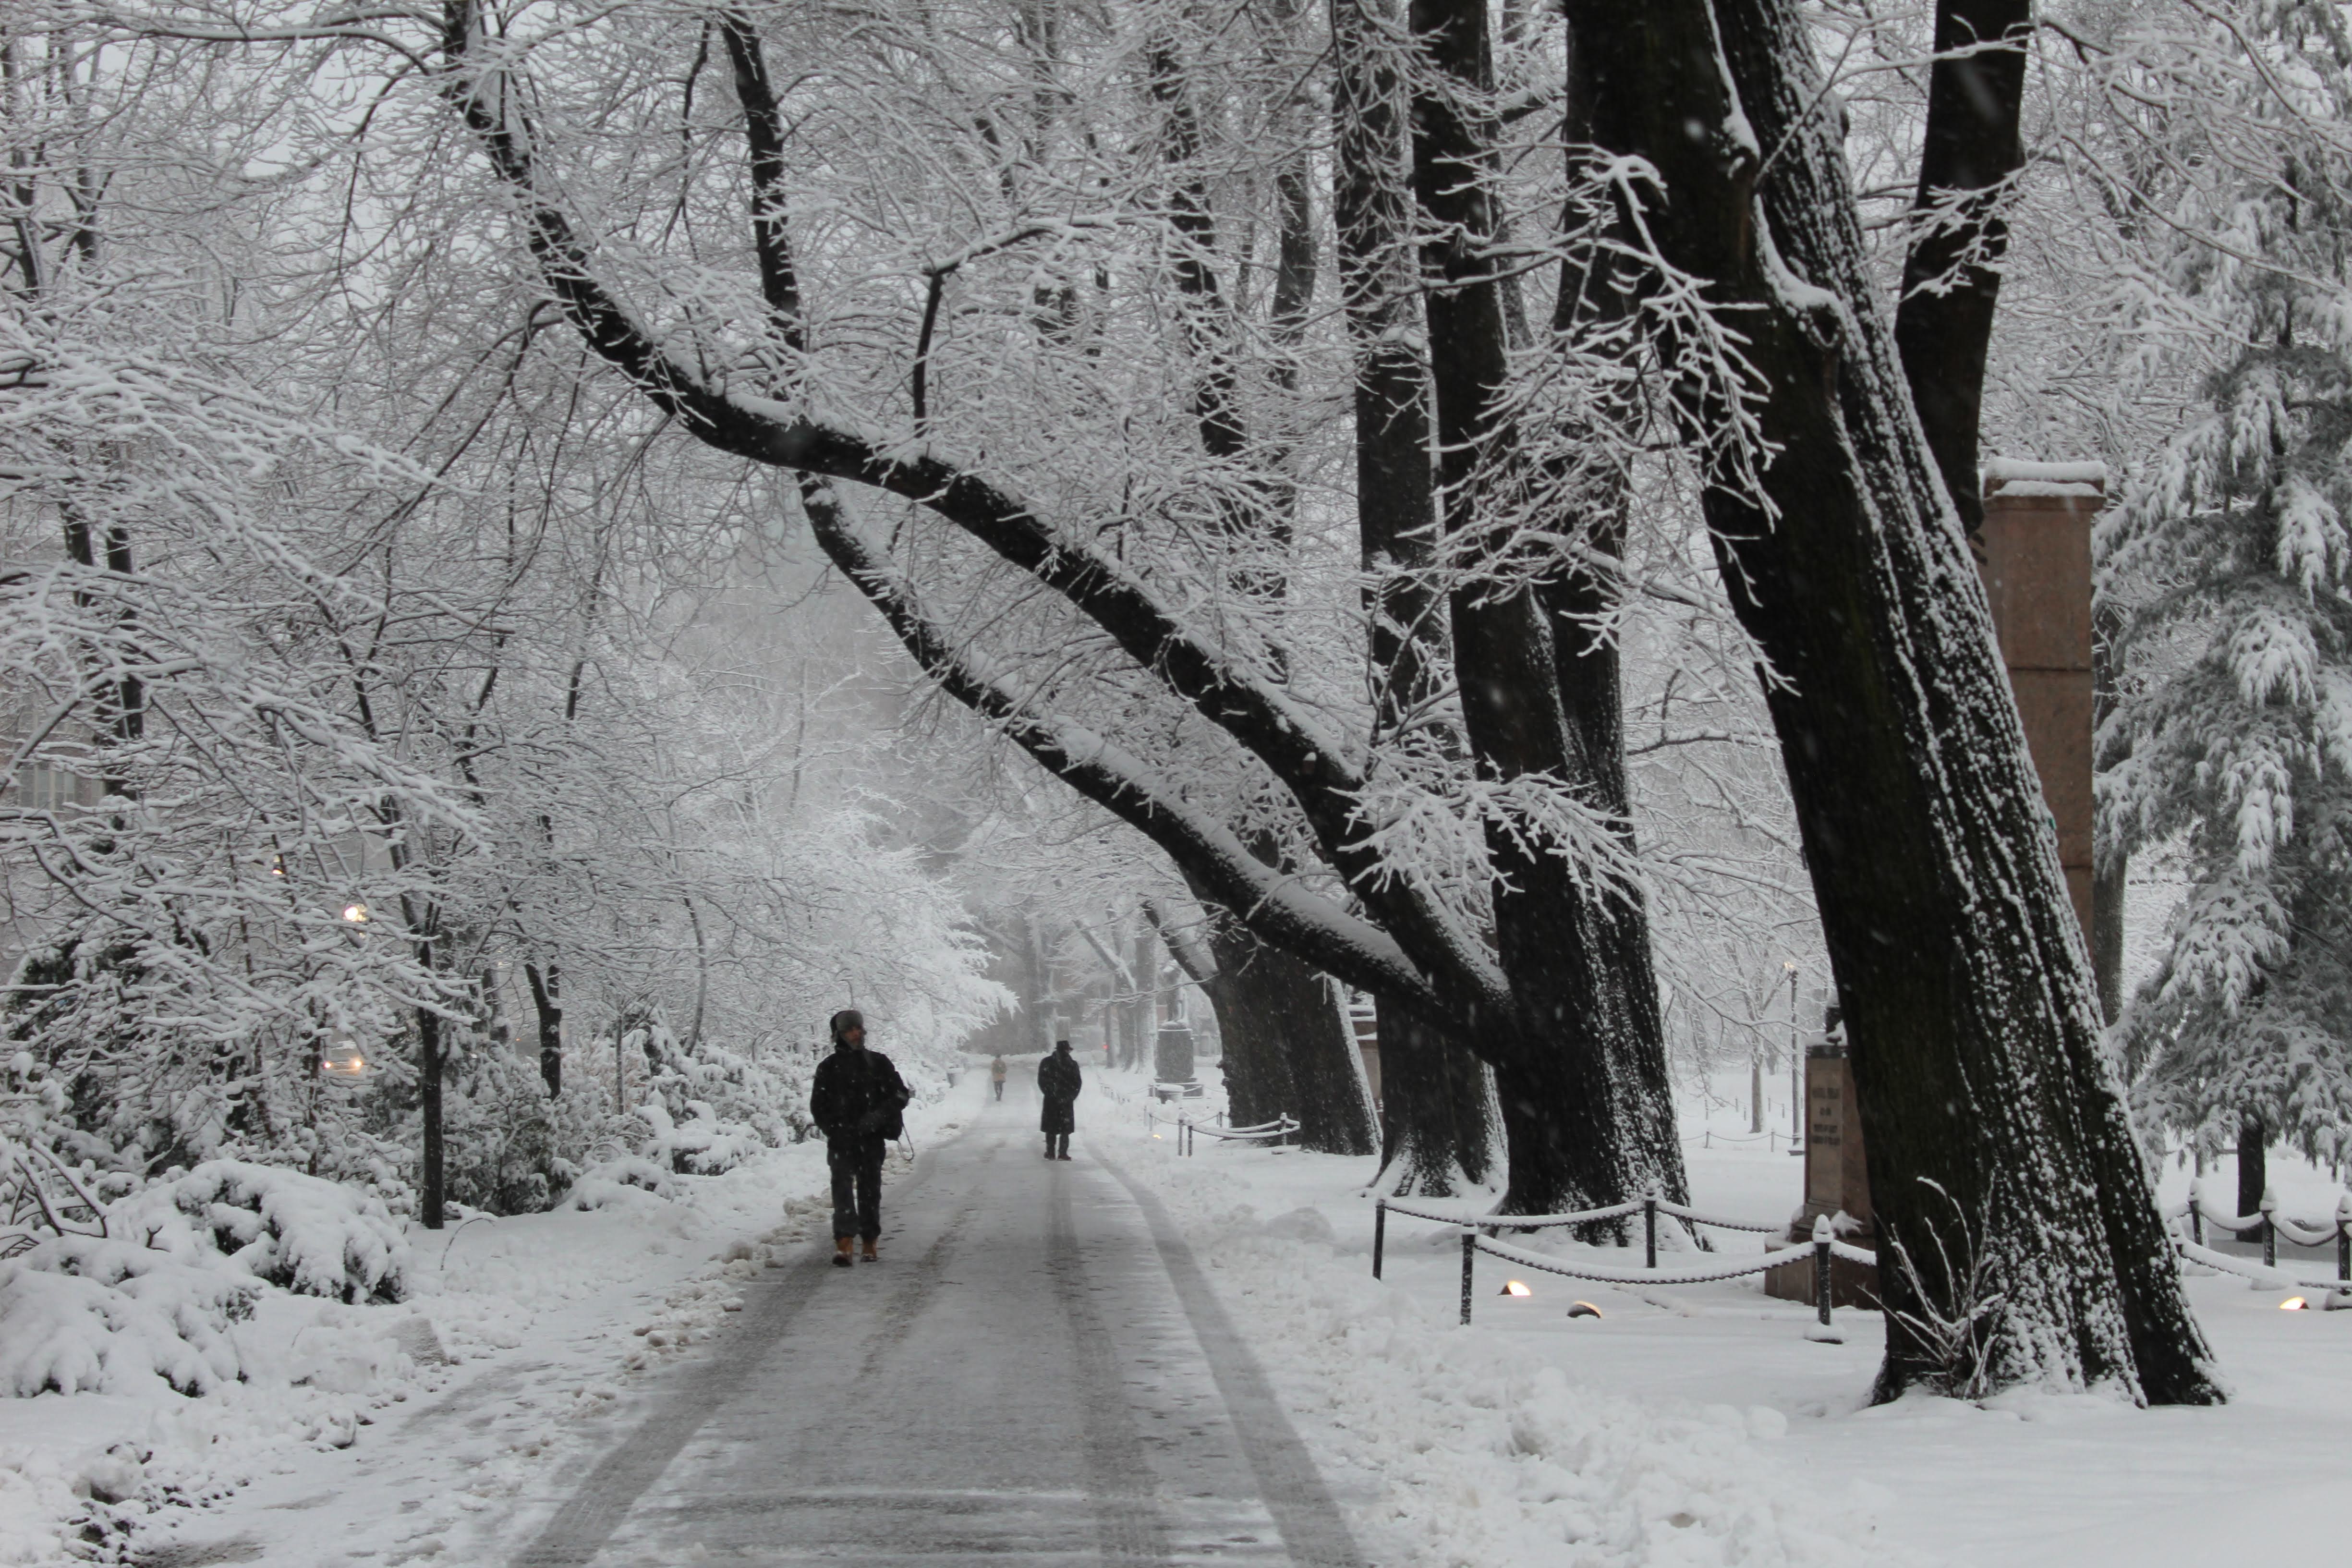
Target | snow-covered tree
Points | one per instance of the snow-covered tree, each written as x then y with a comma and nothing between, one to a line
2231,559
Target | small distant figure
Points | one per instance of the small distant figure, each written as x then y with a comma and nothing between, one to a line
859,1101
1059,1080
996,1076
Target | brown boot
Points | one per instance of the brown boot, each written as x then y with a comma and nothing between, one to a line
841,1251
872,1256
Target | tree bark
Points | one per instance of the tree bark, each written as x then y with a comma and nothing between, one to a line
1439,1105
1951,276
433,1187
1288,1047
1435,1092
2110,863
1966,998
547,1002
1580,1068
2253,1165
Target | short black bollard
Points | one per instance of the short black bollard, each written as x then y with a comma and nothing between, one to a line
2197,1213
1650,1228
2344,1237
1821,1234
1469,1258
1379,1233
2270,1228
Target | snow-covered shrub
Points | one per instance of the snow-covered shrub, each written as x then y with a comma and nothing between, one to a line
628,1179
712,1109
79,1315
310,1236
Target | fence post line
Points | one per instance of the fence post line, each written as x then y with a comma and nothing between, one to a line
1650,1227
1822,1235
2270,1227
2196,1212
1469,1260
1379,1233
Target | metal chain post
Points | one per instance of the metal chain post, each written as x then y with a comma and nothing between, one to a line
1821,1234
1650,1228
2344,1237
2196,1212
1469,1260
2270,1227
1379,1233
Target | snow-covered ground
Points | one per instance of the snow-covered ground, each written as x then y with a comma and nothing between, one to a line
1682,1428
1697,1424
395,1433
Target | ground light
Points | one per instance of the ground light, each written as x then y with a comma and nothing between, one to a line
1515,1288
1583,1310
2293,1304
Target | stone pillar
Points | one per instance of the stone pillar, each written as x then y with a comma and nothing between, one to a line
1837,1180
2036,564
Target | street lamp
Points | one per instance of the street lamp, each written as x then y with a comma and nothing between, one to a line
1796,1069
356,914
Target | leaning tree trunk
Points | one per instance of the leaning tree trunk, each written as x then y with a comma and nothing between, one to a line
1583,1106
1993,1119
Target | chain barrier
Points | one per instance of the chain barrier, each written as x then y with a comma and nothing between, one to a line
2271,1225
1277,1131
1821,1250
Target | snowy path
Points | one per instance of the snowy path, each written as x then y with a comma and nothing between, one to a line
1035,1373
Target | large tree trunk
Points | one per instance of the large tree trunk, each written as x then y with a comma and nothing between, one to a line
1439,1105
1987,1101
1435,1094
1583,1104
1287,1046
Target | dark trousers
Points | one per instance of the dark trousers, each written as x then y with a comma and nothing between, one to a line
857,1166
1000,1089
1058,1144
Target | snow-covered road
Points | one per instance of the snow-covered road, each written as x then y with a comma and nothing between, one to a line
1035,1373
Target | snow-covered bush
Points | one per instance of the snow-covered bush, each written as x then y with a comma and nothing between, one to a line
79,1315
310,1236
625,1180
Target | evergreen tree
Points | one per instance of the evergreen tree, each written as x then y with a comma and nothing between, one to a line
2234,733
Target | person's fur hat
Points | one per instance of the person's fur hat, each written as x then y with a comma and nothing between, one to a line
848,1019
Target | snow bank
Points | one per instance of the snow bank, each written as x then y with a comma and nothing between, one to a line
1487,1457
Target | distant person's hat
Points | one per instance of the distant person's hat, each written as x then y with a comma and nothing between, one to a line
1061,1045
848,1019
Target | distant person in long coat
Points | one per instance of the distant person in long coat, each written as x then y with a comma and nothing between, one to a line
1059,1080
859,1101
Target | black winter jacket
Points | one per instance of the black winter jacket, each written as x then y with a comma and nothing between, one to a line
859,1094
1058,1079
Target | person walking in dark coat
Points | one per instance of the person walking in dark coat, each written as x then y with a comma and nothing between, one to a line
858,1101
1058,1079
